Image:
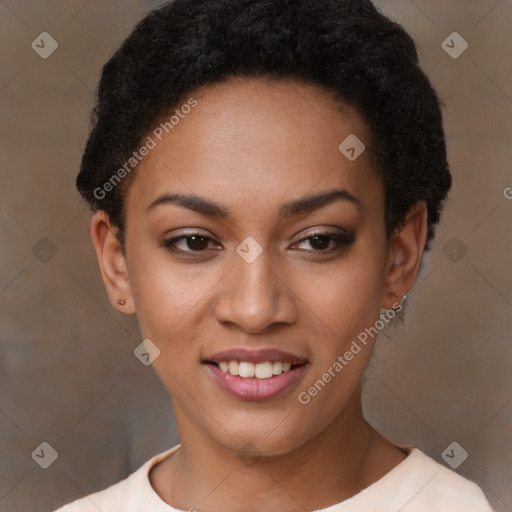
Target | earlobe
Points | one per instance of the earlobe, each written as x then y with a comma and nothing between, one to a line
112,263
405,255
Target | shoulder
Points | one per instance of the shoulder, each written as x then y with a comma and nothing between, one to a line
129,495
426,485
104,500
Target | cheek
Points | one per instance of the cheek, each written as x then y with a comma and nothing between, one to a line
166,292
164,300
345,303
343,297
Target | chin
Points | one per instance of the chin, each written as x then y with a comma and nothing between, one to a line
265,438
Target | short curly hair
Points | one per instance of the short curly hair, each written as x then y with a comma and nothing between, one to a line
347,47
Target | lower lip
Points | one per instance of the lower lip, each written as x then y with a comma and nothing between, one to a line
256,390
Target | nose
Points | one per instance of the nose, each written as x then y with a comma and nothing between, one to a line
255,296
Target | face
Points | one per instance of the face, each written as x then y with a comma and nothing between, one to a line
252,239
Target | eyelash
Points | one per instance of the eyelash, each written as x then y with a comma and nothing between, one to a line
341,241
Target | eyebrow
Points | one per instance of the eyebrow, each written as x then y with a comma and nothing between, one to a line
209,208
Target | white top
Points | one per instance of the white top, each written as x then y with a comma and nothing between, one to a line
417,484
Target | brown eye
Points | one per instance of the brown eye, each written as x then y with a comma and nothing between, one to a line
188,243
197,243
321,242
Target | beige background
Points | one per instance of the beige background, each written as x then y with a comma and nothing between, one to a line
68,375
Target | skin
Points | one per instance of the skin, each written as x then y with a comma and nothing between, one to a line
252,145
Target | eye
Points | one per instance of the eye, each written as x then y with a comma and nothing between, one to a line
189,243
327,242
321,242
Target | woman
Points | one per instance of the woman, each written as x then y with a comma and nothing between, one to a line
265,178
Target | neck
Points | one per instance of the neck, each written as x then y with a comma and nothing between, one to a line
344,459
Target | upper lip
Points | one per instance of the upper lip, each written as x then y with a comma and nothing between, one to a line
255,356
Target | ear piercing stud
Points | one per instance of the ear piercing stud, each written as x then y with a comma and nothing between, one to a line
121,302
403,298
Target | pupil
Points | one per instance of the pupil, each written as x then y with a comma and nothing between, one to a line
319,245
193,242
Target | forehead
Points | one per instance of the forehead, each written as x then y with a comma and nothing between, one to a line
256,141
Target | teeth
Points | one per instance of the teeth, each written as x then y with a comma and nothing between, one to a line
264,370
277,368
233,367
246,369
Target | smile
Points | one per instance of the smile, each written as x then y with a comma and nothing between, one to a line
255,375
246,369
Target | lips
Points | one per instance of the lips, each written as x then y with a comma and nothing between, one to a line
256,356
255,375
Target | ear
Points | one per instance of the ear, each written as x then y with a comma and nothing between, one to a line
405,254
112,262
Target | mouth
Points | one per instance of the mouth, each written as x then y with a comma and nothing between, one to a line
248,370
256,375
